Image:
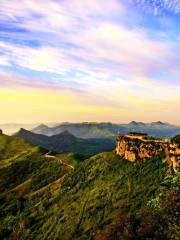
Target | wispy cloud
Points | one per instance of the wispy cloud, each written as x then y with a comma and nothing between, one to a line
106,47
103,49
158,7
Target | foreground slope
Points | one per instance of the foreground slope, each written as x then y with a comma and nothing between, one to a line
26,165
103,197
12,146
26,171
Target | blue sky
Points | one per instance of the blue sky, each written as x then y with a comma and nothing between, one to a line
99,60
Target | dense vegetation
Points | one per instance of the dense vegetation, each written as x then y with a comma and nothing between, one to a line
176,138
103,197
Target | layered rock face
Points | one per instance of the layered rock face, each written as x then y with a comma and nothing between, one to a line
172,154
135,148
132,147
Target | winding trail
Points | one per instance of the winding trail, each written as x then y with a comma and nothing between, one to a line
47,155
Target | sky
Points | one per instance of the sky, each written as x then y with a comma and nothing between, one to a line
89,60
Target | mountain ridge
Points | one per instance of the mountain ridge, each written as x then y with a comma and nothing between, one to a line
67,142
107,129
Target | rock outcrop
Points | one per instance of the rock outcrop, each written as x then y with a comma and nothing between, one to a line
140,146
1,132
172,154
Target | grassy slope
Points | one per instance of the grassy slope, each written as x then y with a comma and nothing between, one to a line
177,138
43,199
94,196
12,146
24,172
74,205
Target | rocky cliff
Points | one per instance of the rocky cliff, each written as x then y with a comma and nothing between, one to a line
172,154
133,147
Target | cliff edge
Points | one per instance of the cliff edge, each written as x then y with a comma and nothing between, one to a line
135,146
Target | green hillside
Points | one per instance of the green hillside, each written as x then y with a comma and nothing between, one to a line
176,138
69,197
12,146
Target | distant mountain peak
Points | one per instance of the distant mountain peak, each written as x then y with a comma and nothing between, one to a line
41,126
158,123
21,132
136,123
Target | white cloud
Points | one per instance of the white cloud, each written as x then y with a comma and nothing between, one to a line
108,48
84,36
4,61
86,24
50,15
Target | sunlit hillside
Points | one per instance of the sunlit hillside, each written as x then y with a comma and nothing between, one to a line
67,196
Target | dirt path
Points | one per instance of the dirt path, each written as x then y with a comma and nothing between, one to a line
47,155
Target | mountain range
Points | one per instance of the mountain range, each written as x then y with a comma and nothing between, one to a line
67,142
95,129
11,128
105,130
